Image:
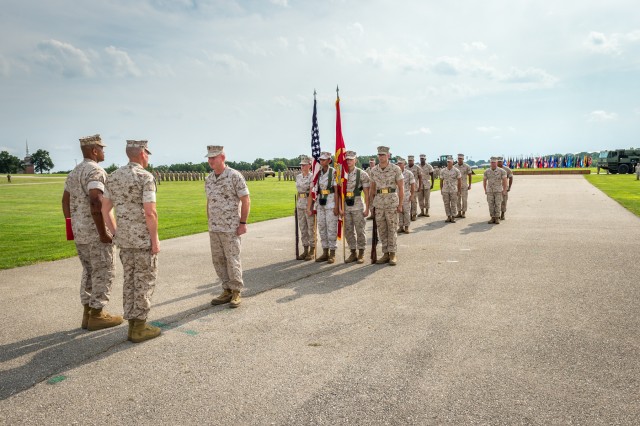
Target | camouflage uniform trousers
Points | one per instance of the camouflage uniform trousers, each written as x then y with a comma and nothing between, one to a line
424,197
354,223
503,205
387,221
461,202
140,273
225,254
327,227
98,271
495,201
404,218
450,203
305,223
414,203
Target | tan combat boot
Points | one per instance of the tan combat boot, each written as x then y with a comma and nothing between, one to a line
140,331
400,230
303,255
360,256
224,297
130,329
492,220
324,257
406,230
421,213
383,259
352,257
496,221
235,299
85,316
426,212
413,217
459,214
453,219
311,254
393,261
463,215
448,219
332,256
502,216
99,319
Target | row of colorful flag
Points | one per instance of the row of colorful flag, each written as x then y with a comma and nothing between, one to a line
549,162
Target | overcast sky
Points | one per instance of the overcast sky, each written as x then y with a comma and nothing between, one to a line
479,77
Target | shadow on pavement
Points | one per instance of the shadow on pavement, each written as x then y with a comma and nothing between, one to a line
476,227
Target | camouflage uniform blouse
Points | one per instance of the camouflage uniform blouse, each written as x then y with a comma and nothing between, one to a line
365,182
508,170
129,188
326,182
450,179
303,186
494,179
86,176
465,170
427,169
417,173
223,195
386,178
409,178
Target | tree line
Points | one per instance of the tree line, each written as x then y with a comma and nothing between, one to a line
11,164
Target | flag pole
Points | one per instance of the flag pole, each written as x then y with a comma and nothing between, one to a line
344,250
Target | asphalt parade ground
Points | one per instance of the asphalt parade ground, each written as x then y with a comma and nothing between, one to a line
533,321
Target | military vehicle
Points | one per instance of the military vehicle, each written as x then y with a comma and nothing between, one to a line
442,162
267,171
619,160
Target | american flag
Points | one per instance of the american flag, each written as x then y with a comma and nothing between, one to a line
315,148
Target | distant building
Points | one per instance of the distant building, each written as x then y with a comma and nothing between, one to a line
27,164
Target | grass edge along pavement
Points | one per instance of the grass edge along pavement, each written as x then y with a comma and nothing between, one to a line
624,189
32,227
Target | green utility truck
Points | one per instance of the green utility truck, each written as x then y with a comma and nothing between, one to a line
442,162
618,161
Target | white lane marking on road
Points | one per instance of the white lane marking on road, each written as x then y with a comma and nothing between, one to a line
452,261
465,249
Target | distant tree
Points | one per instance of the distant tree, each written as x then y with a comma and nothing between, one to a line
112,168
279,166
41,161
9,163
257,163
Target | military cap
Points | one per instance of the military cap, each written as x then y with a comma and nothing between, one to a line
350,155
138,144
500,159
494,159
304,160
91,140
372,159
214,150
449,158
411,157
324,155
460,155
401,160
423,156
383,150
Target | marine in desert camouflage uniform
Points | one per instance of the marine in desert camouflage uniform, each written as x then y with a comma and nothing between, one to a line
505,197
404,218
228,206
387,188
81,205
417,174
495,187
450,186
424,191
467,175
132,191
328,209
304,182
355,211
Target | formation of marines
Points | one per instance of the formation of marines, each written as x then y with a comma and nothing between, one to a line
103,212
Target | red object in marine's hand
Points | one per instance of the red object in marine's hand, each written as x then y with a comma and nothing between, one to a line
69,230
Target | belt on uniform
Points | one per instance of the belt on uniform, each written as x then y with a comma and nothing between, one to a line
325,192
349,194
386,191
303,194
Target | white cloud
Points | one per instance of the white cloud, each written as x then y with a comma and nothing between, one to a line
283,3
447,65
529,75
357,28
601,116
120,64
487,129
251,47
283,42
229,62
474,45
64,59
600,43
420,131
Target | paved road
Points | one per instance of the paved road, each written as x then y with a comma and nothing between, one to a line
533,321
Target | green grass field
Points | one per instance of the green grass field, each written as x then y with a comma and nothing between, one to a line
32,225
625,189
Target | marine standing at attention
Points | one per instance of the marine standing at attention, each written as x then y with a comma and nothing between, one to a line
467,175
424,191
450,186
417,174
304,182
404,218
495,186
327,208
505,197
355,211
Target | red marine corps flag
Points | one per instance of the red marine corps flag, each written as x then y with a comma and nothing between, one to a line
340,164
